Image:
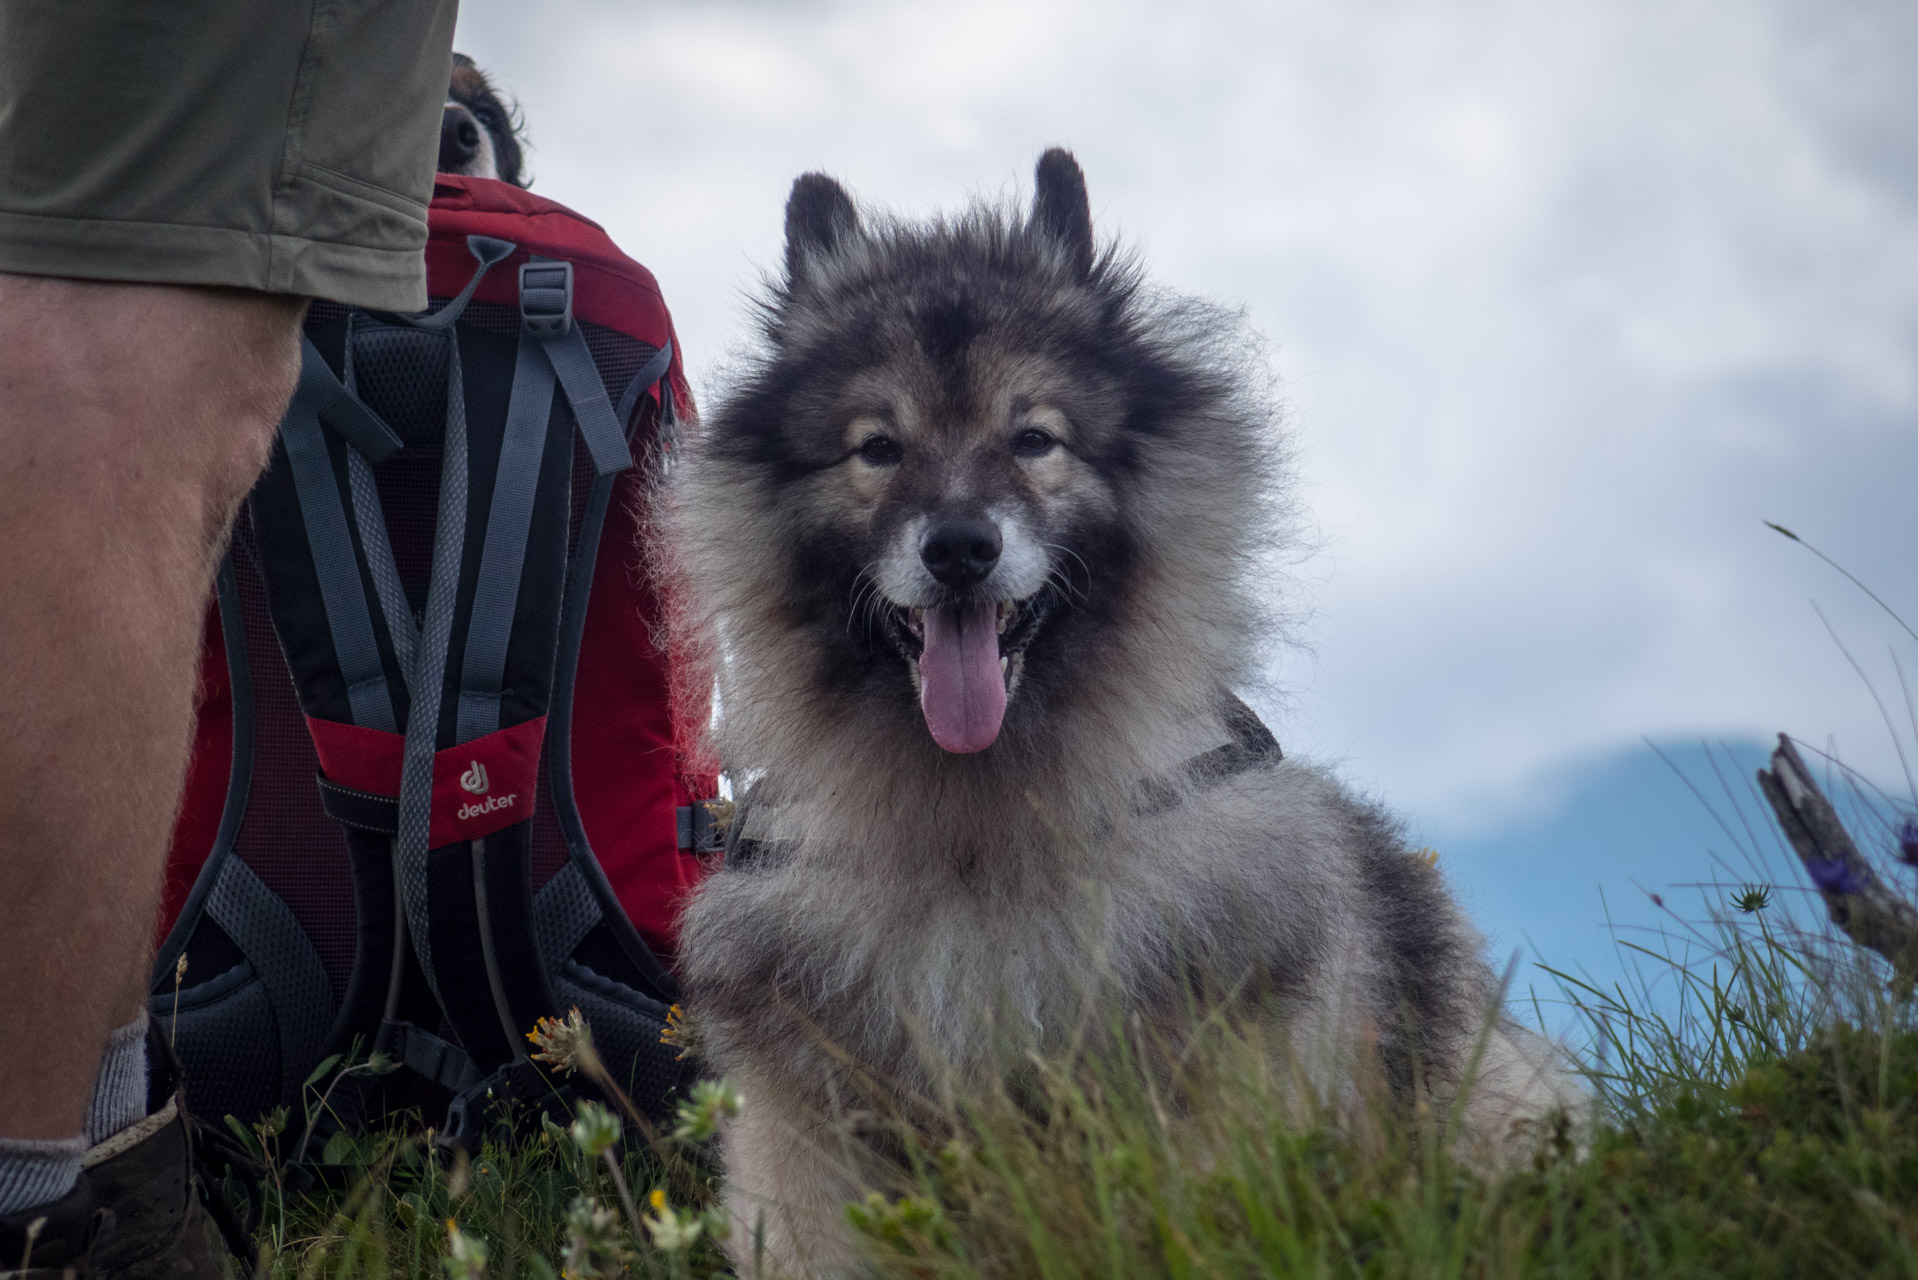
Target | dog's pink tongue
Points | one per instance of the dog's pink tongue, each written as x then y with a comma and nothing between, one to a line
960,688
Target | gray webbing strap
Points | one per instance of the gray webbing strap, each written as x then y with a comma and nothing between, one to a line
334,405
267,933
640,383
334,563
651,374
490,252
374,542
429,671
516,481
400,627
502,558
605,434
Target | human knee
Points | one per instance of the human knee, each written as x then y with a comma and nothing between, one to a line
260,332
172,388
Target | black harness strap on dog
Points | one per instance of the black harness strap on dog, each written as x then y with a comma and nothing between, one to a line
1252,744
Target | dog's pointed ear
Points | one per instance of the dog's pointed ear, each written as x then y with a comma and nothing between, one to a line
1061,207
820,221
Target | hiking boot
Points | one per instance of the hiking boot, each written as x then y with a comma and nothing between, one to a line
145,1177
142,1209
49,1240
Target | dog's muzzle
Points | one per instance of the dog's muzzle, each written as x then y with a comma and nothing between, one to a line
464,146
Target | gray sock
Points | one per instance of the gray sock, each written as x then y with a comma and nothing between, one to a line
120,1090
34,1172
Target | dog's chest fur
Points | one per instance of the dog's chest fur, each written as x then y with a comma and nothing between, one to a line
955,964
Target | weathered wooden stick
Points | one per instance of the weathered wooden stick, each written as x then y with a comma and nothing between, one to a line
1861,904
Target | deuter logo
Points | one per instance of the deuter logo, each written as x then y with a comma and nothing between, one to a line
475,782
492,805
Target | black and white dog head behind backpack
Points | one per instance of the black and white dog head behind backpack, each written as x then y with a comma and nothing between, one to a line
438,790
480,132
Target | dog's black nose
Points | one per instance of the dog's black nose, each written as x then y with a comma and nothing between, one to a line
459,138
961,552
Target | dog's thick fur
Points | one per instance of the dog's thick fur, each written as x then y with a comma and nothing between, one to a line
916,917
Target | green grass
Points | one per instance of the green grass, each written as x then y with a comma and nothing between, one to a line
1766,1124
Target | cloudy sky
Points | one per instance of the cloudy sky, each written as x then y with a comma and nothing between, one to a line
1566,299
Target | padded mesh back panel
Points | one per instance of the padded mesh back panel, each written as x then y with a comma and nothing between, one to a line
319,311
617,356
628,1038
286,836
400,373
229,1046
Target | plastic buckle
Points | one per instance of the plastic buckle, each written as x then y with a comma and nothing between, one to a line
546,297
504,1106
702,825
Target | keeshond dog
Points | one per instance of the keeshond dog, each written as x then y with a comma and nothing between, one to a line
975,541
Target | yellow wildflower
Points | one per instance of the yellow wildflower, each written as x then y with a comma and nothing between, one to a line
561,1042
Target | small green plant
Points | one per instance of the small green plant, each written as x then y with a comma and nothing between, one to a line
537,1208
465,1257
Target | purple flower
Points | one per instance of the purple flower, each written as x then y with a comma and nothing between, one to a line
1908,841
1835,875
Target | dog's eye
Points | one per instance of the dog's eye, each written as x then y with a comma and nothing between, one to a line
880,451
1032,443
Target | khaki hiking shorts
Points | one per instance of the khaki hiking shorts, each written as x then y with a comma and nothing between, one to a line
280,145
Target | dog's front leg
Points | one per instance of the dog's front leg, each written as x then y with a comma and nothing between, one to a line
790,1173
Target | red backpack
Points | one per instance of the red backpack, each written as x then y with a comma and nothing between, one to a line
438,789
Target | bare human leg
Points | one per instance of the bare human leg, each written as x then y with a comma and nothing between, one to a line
133,419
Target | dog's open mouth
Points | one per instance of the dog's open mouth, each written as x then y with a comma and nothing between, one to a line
968,656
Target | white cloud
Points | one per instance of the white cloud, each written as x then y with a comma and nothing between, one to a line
1568,298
